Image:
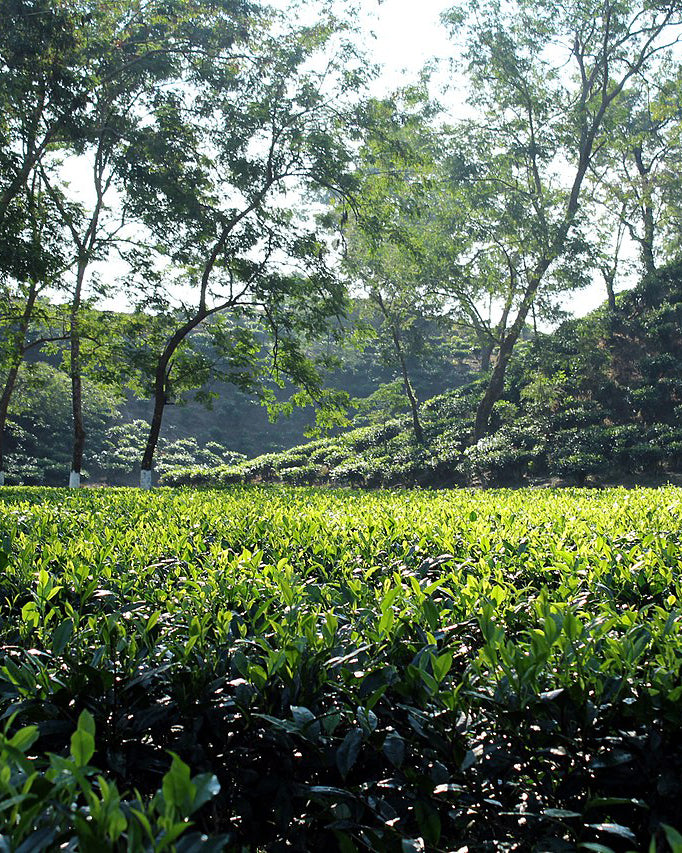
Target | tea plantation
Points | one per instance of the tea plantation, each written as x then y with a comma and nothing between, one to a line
275,669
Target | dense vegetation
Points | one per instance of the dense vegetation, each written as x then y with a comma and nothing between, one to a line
267,669
599,400
303,669
38,436
235,179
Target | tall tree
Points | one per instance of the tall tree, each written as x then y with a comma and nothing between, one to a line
31,265
429,237
238,148
635,180
391,288
546,80
139,48
394,165
45,83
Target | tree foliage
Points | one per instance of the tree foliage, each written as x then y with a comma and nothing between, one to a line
542,124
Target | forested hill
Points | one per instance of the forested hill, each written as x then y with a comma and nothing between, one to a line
217,422
599,400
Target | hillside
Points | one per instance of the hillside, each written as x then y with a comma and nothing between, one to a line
597,401
234,423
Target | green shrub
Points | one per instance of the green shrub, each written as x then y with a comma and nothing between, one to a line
578,464
500,458
302,476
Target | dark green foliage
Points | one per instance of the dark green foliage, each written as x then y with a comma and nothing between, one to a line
599,400
39,441
222,411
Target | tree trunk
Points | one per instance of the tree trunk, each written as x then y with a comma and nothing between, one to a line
611,293
646,243
157,418
486,355
507,341
77,379
414,405
648,257
160,389
409,390
10,382
495,387
4,407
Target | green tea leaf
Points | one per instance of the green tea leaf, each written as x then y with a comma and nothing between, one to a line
177,787
83,740
347,753
61,636
207,787
394,749
25,738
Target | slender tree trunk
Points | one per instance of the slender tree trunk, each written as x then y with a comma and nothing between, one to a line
610,292
161,376
13,372
155,424
160,394
409,390
79,433
507,341
648,258
495,387
85,245
610,270
4,407
646,243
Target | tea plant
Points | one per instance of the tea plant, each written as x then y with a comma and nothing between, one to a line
262,668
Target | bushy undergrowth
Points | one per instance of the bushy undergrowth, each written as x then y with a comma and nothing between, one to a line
576,445
338,670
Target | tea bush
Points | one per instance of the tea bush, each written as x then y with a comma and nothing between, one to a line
269,668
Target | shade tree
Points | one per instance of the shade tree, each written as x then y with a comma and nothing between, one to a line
635,180
239,151
45,84
546,79
133,51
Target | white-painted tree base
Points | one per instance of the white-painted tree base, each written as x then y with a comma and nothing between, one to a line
145,479
74,480
2,478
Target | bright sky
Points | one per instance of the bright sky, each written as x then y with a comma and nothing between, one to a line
408,34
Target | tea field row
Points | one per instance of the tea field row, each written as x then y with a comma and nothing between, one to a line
273,668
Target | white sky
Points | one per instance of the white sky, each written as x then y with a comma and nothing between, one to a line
408,34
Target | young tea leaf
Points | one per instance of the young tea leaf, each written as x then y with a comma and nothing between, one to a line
177,787
83,740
